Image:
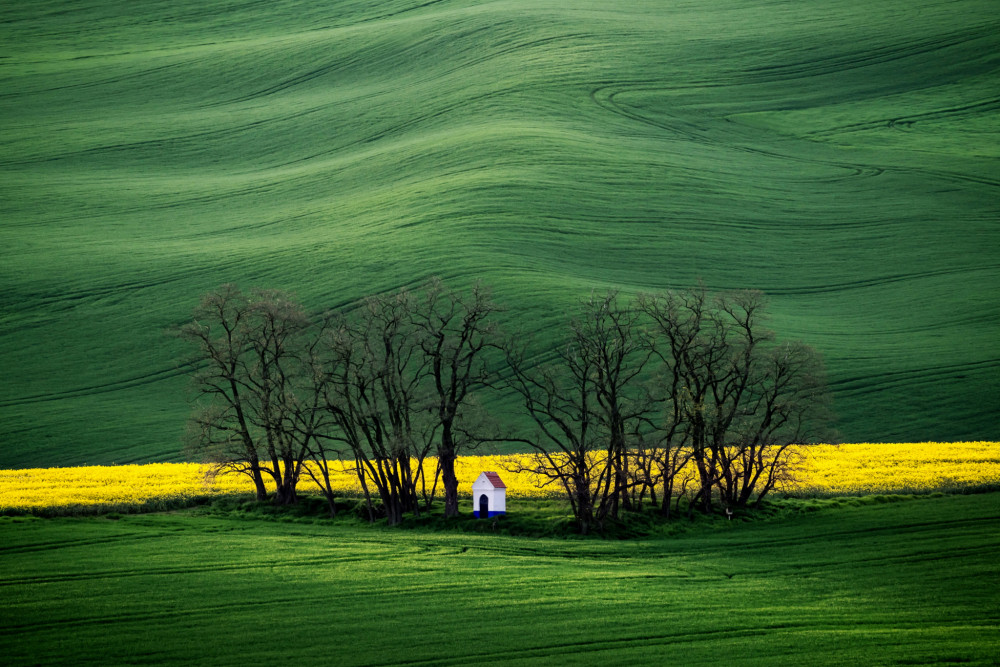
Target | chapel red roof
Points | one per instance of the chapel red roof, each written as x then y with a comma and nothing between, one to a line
495,480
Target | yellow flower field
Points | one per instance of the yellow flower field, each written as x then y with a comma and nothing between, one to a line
828,469
865,468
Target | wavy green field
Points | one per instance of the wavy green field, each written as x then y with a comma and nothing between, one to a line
840,155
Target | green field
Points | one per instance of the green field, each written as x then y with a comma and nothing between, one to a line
908,582
840,155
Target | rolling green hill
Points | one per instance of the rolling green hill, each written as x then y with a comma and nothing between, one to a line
840,155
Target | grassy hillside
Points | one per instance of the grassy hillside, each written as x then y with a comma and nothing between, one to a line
904,583
840,155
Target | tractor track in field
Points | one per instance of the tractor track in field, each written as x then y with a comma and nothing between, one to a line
879,56
879,281
718,131
132,616
174,141
128,77
698,132
71,544
173,571
158,69
867,384
450,69
68,299
925,326
417,120
556,650
908,120
80,392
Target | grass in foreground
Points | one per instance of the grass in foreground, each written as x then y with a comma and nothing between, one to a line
911,582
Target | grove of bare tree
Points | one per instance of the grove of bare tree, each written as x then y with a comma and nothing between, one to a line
676,395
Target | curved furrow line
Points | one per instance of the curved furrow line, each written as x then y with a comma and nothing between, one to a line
950,176
390,15
910,119
866,58
878,281
93,575
132,616
865,384
952,323
118,385
88,83
878,532
399,128
68,299
72,543
516,48
165,142
832,564
222,232
446,69
603,96
416,120
301,598
554,650
29,303
282,86
737,225
858,172
697,134
683,128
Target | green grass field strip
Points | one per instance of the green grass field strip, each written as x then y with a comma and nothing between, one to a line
896,582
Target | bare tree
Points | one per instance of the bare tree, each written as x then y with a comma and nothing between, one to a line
313,421
455,330
373,391
275,378
676,321
559,397
219,427
396,378
736,401
786,403
246,363
608,337
590,409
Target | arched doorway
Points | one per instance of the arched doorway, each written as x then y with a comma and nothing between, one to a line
484,507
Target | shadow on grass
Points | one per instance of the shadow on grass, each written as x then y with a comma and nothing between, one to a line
550,518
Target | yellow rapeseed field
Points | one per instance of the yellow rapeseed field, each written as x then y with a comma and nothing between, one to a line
828,469
865,468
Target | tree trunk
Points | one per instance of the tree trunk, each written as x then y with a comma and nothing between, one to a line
368,495
446,460
285,494
393,511
668,492
258,481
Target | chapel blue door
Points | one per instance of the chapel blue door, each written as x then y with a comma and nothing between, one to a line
484,507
